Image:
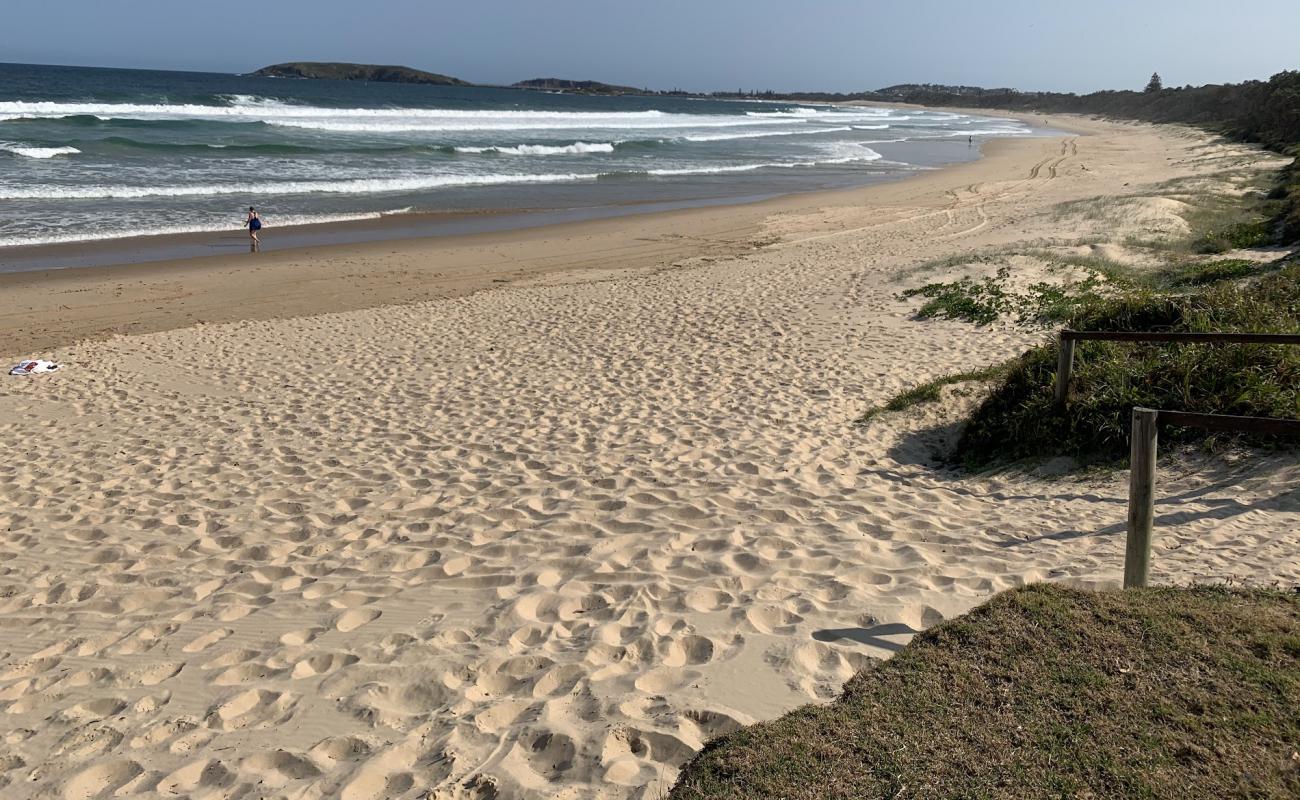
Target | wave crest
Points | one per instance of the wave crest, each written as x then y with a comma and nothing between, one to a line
38,152
542,149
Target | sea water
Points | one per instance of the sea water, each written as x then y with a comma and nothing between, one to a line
95,154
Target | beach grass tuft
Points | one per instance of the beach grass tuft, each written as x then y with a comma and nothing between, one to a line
931,391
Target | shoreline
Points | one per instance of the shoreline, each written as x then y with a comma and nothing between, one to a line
361,227
56,307
549,540
384,227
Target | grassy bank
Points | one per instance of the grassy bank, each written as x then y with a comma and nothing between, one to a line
1048,692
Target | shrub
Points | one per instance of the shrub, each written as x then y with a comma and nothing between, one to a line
1215,271
1019,419
1258,233
980,302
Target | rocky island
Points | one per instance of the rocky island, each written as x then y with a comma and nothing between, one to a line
576,87
338,71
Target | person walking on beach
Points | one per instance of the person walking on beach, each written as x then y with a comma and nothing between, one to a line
254,224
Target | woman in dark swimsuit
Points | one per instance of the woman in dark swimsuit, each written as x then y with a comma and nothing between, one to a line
254,224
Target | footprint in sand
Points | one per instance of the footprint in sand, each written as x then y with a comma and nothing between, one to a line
690,649
772,619
300,637
322,664
375,784
355,618
202,774
93,709
254,708
207,640
548,753
151,675
280,767
664,681
101,779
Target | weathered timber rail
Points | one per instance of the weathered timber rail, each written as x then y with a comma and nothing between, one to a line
1142,473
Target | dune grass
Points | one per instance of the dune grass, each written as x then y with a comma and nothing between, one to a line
1019,418
1048,692
1190,292
990,299
1222,270
930,391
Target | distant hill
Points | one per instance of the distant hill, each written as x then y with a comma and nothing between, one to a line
336,71
578,87
913,89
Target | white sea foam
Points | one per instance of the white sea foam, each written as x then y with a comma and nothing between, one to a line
214,227
355,186
393,185
672,172
380,120
839,156
848,153
793,112
576,148
980,132
870,127
570,122
723,137
38,152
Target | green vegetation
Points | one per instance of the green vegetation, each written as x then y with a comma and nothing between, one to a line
1048,692
1215,271
981,302
930,392
1267,112
1019,419
1257,233
340,71
987,300
1287,195
575,87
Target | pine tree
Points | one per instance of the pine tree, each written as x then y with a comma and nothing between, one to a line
1155,84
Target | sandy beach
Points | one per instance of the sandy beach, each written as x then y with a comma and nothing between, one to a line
538,513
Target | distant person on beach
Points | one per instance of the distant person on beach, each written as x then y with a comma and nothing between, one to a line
254,224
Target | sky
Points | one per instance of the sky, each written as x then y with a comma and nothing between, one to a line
785,45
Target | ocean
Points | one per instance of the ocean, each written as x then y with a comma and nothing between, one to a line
99,154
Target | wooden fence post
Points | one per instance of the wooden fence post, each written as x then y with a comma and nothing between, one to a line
1141,497
1064,365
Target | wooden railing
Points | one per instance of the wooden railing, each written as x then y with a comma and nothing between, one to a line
1065,353
1142,473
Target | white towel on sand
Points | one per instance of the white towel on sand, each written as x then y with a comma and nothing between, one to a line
33,367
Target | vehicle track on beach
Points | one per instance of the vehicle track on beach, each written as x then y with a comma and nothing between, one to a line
973,200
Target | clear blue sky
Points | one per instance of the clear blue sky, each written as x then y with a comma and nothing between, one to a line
693,44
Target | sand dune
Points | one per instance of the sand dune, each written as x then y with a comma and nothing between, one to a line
547,540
